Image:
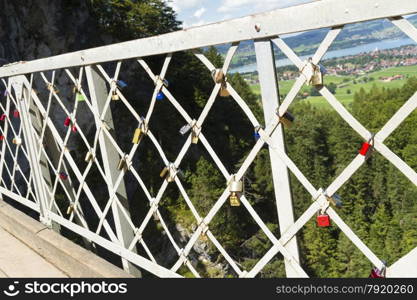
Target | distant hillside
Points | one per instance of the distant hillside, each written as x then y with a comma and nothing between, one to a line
307,42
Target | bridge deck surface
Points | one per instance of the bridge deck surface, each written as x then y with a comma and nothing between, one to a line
19,260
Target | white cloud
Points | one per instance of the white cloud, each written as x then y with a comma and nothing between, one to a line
180,5
199,12
229,6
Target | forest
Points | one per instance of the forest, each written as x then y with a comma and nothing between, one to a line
379,202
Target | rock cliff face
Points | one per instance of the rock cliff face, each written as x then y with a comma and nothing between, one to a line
31,29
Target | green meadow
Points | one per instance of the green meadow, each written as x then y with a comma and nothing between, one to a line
349,85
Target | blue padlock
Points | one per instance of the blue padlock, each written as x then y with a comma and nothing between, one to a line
121,84
160,96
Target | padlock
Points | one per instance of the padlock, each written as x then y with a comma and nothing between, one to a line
317,77
376,273
67,122
52,88
164,172
160,96
184,129
17,141
121,84
235,189
5,93
70,208
1,137
218,76
287,119
336,200
366,147
3,117
194,138
74,128
16,113
137,135
122,164
223,91
79,97
88,156
323,220
234,200
63,176
115,96
256,134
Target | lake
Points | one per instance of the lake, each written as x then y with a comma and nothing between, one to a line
366,48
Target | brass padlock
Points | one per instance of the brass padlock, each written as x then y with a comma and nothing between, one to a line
137,136
164,172
194,138
122,164
317,77
70,208
234,200
115,96
223,90
235,188
287,119
219,78
88,156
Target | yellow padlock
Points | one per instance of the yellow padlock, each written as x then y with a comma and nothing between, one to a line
164,172
234,199
70,209
137,136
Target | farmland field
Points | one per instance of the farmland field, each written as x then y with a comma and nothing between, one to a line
349,85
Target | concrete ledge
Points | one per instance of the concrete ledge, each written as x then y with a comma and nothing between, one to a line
67,256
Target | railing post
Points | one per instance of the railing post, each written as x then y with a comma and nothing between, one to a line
270,100
23,99
110,157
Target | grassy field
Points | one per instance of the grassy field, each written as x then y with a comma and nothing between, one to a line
346,90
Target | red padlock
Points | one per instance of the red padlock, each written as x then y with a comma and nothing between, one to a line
365,149
1,137
67,122
323,220
3,117
16,113
63,176
74,128
376,273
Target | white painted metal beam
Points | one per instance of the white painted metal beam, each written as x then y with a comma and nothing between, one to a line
270,99
314,15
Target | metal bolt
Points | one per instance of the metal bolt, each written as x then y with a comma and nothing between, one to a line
257,27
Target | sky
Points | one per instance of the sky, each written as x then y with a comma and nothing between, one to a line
200,12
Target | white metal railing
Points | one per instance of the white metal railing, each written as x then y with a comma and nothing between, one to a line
36,160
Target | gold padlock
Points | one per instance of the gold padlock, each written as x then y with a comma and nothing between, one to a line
317,78
115,96
223,91
235,188
164,172
287,119
122,164
137,136
194,138
88,156
234,199
70,209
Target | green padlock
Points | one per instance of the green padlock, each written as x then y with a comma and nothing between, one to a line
79,97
